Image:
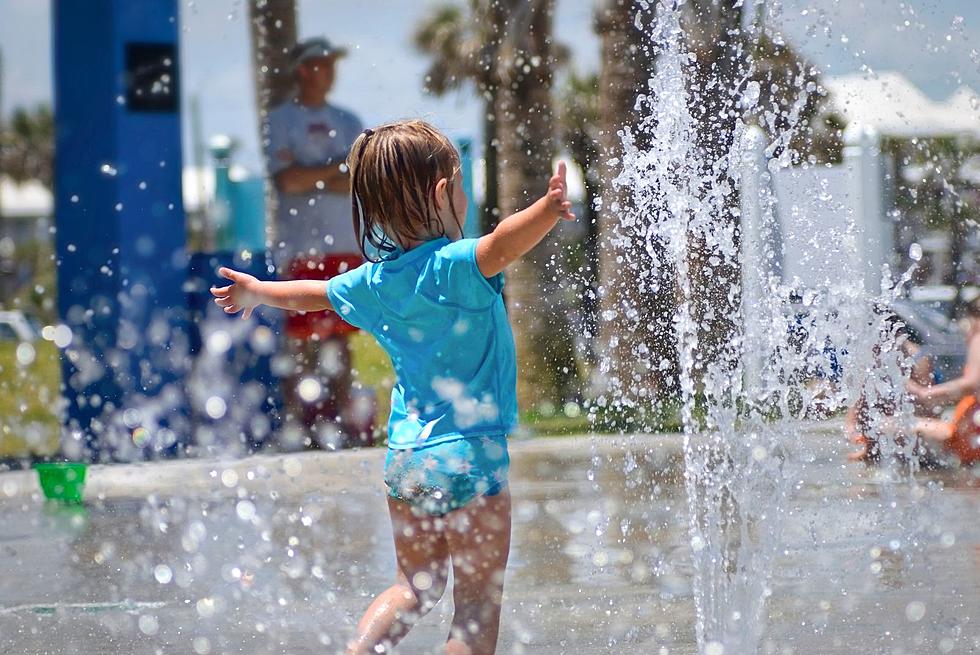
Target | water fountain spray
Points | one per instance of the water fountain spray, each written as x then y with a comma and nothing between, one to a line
758,354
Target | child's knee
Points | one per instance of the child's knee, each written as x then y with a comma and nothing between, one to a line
425,589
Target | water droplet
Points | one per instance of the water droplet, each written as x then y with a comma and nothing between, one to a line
914,611
206,608
309,390
215,407
163,574
148,624
229,478
245,510
25,354
422,581
202,646
218,342
292,467
62,336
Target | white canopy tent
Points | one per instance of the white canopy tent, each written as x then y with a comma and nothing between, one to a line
891,105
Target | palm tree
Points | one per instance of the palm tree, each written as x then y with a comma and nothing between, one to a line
722,47
462,45
27,153
272,34
525,66
579,132
27,145
636,335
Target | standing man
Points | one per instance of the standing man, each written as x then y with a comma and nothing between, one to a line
308,143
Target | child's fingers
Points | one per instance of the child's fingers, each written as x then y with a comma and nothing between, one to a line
230,274
247,313
566,211
224,302
221,291
562,170
232,309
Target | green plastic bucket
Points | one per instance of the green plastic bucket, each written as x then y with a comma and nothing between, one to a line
62,481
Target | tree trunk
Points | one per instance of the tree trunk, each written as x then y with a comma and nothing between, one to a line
492,16
638,350
714,35
591,250
490,212
273,34
952,276
526,137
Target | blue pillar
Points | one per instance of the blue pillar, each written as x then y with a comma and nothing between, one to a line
221,211
120,226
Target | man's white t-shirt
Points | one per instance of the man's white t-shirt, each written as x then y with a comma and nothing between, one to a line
317,223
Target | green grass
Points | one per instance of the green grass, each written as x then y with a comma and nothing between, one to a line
29,393
559,424
372,369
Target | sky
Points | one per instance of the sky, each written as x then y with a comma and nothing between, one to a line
933,42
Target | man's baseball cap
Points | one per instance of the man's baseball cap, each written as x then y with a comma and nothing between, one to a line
314,48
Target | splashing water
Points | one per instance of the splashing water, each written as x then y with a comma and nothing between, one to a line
785,355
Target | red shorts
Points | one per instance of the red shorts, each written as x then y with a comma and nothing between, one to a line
325,324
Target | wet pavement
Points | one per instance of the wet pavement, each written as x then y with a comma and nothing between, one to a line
280,554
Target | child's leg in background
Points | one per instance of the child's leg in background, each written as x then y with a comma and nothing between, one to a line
479,543
933,429
422,552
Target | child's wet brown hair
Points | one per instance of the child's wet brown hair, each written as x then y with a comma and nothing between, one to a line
973,308
394,169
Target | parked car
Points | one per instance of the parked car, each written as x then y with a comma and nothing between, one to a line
940,337
15,326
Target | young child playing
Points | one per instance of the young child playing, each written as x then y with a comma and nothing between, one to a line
433,301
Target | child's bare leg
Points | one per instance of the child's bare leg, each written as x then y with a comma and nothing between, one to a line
933,429
479,541
423,566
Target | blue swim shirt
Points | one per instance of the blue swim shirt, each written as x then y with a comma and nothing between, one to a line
446,330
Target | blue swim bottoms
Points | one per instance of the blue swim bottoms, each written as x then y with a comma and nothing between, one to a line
440,478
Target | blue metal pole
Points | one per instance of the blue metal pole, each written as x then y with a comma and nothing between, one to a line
120,226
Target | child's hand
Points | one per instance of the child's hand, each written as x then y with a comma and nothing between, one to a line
558,194
917,391
239,296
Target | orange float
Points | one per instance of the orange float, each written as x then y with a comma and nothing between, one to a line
964,440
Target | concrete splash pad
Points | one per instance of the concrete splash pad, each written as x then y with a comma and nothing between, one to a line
280,554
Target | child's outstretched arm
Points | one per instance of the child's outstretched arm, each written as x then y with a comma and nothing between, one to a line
247,292
518,233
